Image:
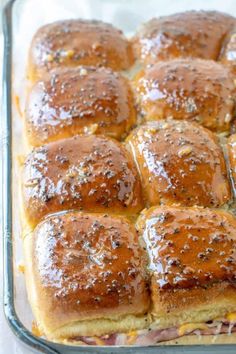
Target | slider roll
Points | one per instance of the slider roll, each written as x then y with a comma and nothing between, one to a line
91,173
196,90
71,43
192,263
179,162
195,34
81,100
85,276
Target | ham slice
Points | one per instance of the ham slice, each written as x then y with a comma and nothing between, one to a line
152,337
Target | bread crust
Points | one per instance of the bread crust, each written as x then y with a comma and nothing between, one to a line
82,268
78,42
180,306
195,34
79,100
191,255
197,90
227,55
179,162
92,173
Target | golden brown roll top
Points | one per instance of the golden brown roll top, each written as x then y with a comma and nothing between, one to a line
83,267
193,89
179,162
192,263
92,173
79,100
228,51
188,34
190,246
78,42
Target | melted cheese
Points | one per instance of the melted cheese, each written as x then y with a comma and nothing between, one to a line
35,330
190,327
231,317
20,159
99,341
21,268
132,337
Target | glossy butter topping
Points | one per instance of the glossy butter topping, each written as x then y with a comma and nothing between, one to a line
78,42
91,173
189,34
189,247
90,262
79,100
197,90
179,162
228,51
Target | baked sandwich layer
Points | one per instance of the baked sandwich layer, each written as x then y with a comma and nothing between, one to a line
85,275
192,266
128,196
93,275
189,333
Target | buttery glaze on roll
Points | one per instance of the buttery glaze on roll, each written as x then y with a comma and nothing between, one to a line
179,162
228,51
193,89
79,100
85,275
192,262
78,42
93,173
196,34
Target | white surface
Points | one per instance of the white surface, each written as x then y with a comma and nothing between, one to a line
126,14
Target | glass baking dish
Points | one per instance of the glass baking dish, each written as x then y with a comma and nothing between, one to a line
21,18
